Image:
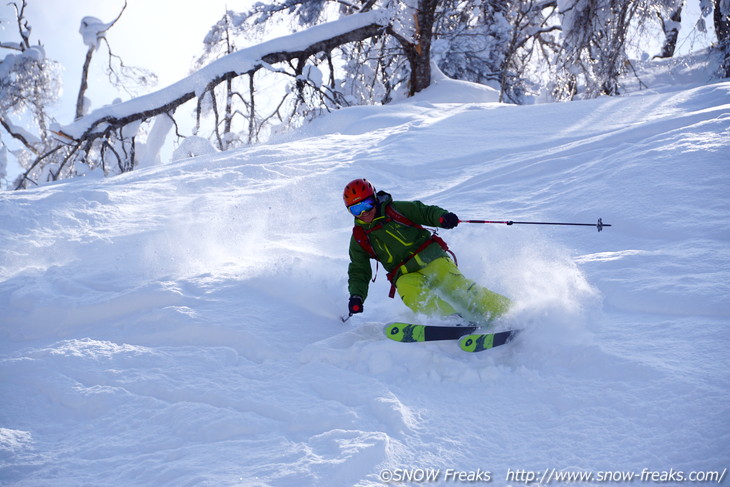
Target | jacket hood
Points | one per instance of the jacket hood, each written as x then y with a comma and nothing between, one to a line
383,198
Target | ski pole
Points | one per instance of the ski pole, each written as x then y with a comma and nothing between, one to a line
598,225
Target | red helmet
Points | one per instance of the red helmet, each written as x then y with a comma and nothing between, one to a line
357,190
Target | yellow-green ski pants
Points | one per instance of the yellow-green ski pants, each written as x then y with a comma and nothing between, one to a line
441,289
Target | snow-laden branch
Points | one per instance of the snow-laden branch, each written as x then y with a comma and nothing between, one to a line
303,44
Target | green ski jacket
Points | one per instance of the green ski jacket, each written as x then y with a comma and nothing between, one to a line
394,242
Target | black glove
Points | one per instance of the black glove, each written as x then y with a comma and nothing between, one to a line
355,305
448,220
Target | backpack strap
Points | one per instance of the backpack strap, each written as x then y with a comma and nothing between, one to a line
393,214
361,237
434,236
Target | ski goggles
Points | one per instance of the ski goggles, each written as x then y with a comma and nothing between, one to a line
359,208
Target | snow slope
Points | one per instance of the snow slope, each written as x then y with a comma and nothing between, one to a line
179,325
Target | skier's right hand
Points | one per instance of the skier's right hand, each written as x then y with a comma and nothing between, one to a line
355,305
448,220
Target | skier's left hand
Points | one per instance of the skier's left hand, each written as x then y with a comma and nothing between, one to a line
448,220
355,305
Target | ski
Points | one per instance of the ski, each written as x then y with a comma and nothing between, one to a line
468,340
408,332
484,341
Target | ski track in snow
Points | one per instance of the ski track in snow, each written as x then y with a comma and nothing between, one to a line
179,325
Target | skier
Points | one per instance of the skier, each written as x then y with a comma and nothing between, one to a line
417,262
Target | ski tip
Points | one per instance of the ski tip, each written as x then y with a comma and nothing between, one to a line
475,342
391,329
478,342
404,332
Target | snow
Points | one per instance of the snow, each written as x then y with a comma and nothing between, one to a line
193,146
92,30
180,324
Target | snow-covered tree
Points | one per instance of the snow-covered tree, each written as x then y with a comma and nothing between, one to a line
29,84
670,16
410,31
469,40
221,41
107,136
298,89
721,18
130,79
498,42
594,53
3,164
584,45
396,62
